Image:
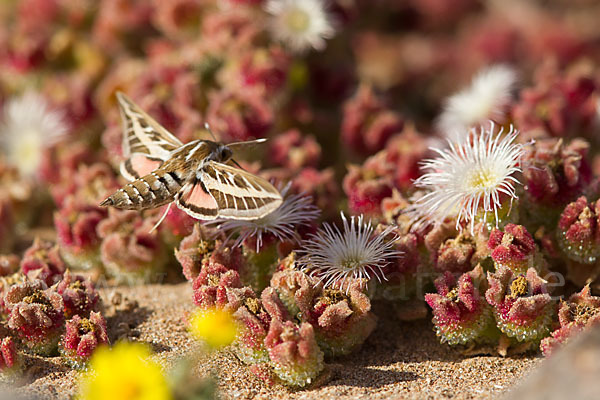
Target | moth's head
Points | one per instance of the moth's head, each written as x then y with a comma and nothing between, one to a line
215,151
223,153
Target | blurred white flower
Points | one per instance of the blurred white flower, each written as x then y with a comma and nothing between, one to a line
300,24
336,257
29,127
487,98
470,177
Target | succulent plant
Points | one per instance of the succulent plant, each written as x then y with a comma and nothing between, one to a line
36,316
368,123
555,173
580,312
217,286
514,248
461,314
578,232
82,336
342,319
76,233
294,353
79,295
129,252
198,249
10,360
295,151
42,260
255,325
522,306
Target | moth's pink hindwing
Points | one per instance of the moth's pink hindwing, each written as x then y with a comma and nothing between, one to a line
139,165
195,200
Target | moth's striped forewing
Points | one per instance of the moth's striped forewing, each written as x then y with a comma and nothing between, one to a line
146,144
236,194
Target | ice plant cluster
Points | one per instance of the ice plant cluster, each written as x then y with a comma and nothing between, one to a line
485,195
299,318
286,332
514,248
130,251
392,169
342,320
555,173
511,299
46,309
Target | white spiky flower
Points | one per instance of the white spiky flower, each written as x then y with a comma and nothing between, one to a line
336,257
29,126
300,24
470,177
487,98
295,211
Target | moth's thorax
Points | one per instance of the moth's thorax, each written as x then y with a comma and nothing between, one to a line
193,155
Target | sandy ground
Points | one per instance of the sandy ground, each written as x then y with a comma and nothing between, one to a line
400,360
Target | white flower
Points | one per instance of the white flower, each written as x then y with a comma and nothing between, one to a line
29,126
337,257
470,177
486,98
300,24
295,210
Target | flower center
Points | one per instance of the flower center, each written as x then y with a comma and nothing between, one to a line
213,280
332,296
453,295
205,248
583,312
253,305
350,264
518,287
297,20
86,326
482,179
38,297
76,285
26,152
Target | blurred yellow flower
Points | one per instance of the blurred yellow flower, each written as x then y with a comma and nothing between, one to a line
216,327
124,372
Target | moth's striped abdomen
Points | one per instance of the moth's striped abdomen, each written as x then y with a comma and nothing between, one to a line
153,190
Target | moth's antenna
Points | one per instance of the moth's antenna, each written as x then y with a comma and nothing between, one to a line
207,127
248,142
